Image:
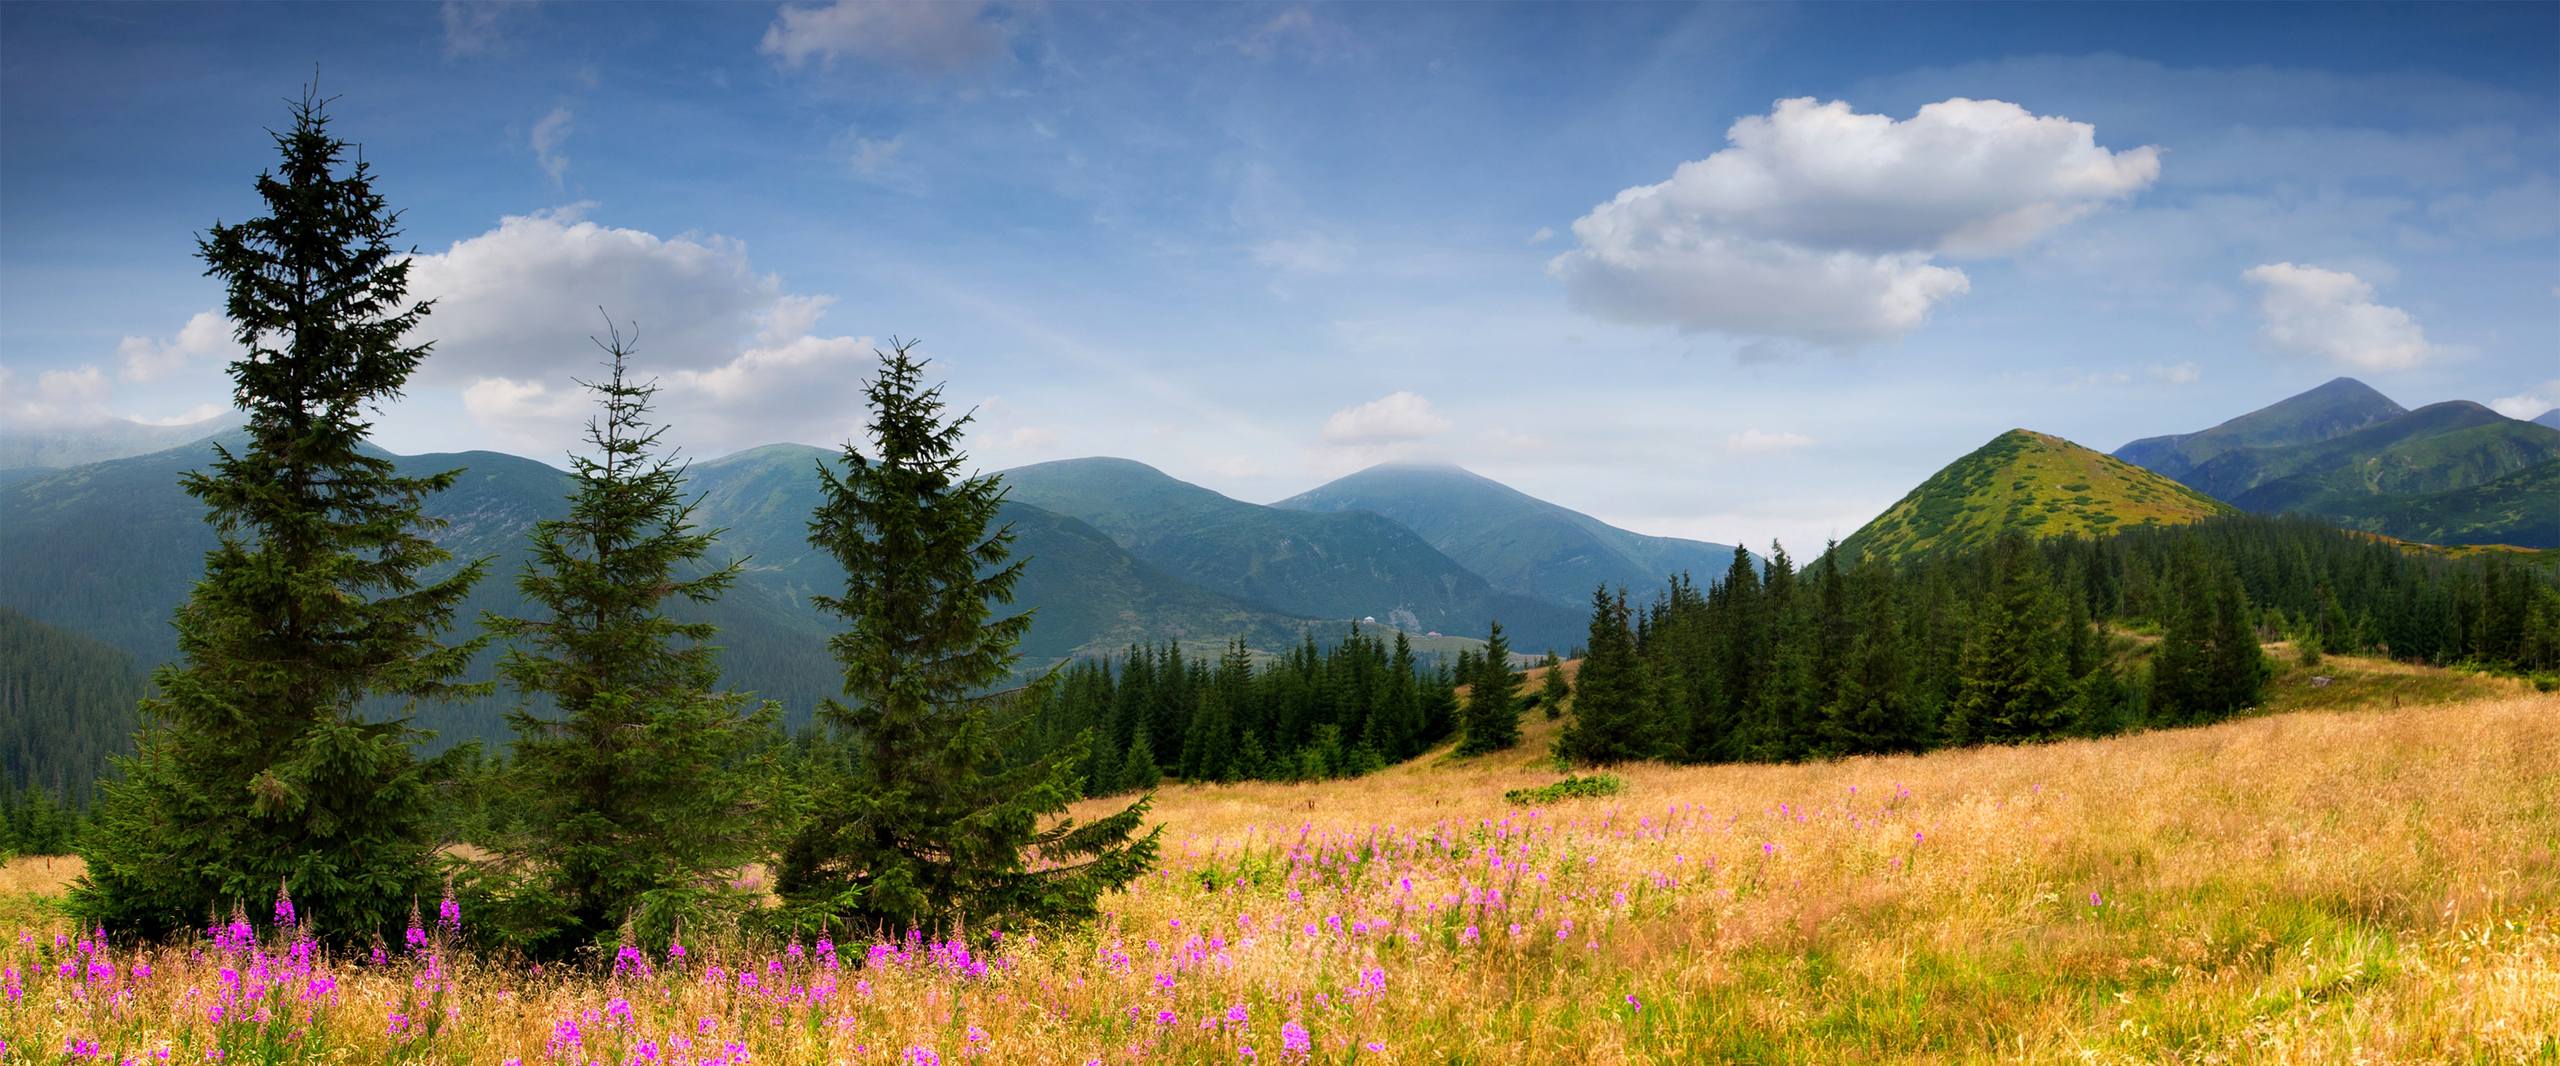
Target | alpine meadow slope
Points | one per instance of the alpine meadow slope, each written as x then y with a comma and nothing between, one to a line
2034,482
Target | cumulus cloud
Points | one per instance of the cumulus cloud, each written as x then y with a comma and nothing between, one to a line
207,335
524,295
1394,418
935,36
1760,442
67,397
740,361
1823,224
2531,403
548,135
2331,315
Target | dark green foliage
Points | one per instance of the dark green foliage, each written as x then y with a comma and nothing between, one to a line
2209,665
930,828
1492,713
1358,705
2012,643
254,768
1553,688
1611,719
2015,674
66,704
33,822
1572,787
637,796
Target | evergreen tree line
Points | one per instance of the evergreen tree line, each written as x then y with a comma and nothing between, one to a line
637,790
2021,641
1313,713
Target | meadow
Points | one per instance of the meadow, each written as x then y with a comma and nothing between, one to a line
2370,874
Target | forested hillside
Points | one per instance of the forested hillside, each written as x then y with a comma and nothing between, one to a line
66,703
2023,640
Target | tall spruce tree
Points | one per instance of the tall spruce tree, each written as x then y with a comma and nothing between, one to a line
1493,703
255,767
640,798
1612,721
930,828
2015,671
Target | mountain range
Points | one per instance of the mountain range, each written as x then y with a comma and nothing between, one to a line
1118,552
2451,473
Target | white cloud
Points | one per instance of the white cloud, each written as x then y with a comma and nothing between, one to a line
2176,373
524,296
2330,314
1822,224
67,397
1543,235
1393,418
207,335
548,135
741,362
1761,442
940,36
2531,403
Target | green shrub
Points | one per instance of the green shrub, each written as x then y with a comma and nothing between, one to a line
1572,787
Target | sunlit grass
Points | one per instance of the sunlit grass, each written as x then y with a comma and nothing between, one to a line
2370,885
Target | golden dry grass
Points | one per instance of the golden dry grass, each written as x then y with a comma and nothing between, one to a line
2364,886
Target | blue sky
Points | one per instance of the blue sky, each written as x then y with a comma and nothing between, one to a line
1736,272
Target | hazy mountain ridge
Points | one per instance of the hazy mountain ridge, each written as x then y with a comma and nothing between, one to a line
97,442
2026,480
1348,564
1517,542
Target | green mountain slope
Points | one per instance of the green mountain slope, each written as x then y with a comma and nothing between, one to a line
66,703
2032,481
2339,407
1347,564
2522,509
2435,448
1518,542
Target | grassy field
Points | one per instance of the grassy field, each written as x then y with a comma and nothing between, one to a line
2371,876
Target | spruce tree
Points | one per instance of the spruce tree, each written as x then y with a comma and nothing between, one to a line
930,829
2015,682
255,767
640,798
1611,720
1492,714
1553,689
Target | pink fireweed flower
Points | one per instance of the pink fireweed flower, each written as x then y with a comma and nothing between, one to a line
1294,1039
